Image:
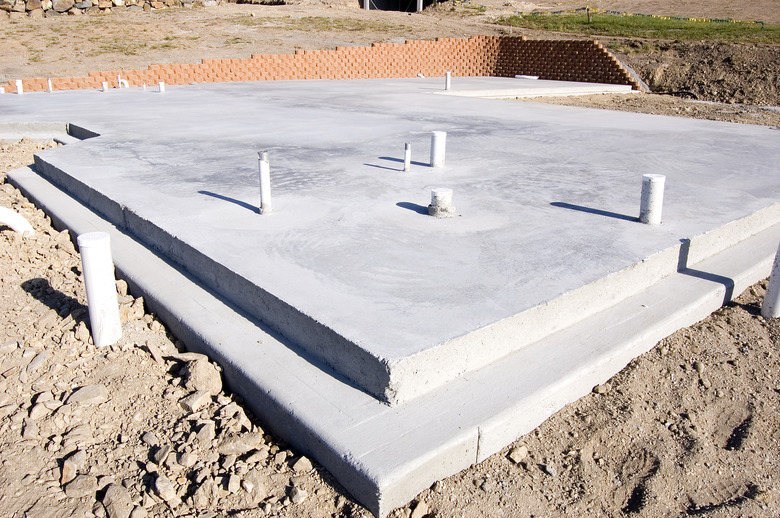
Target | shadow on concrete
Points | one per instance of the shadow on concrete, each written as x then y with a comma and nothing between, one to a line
590,210
682,267
419,209
401,161
384,167
240,203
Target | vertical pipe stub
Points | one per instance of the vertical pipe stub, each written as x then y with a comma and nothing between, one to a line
19,87
98,267
441,203
770,308
265,183
104,84
447,80
438,145
652,201
51,89
161,85
407,157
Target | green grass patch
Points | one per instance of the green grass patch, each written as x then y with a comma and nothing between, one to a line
634,26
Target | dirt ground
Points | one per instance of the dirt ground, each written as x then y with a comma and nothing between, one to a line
690,428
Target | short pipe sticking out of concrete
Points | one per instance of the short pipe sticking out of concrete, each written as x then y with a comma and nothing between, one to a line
50,86
441,203
100,284
447,80
161,86
770,308
19,87
438,146
15,222
104,84
652,201
265,183
407,157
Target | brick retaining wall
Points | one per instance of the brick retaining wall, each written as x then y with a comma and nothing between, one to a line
566,60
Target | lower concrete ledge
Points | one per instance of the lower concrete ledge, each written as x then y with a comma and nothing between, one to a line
385,455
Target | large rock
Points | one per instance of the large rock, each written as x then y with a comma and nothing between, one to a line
90,394
117,502
82,485
202,375
33,4
62,5
72,465
165,489
240,444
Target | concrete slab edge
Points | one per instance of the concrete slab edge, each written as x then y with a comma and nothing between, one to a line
399,381
382,488
684,299
298,327
175,298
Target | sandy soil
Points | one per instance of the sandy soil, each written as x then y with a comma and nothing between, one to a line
690,428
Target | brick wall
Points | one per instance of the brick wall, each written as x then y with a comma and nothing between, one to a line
566,60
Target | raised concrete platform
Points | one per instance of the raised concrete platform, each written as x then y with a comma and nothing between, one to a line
475,328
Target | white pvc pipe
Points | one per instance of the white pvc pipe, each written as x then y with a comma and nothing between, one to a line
447,80
123,83
652,201
19,87
50,87
15,222
438,144
105,86
161,85
265,183
771,305
441,203
407,157
99,281
2,89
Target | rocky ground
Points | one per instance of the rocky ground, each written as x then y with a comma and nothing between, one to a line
143,428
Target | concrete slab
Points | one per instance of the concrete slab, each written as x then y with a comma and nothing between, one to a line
348,266
544,251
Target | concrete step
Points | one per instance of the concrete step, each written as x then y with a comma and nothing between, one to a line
384,455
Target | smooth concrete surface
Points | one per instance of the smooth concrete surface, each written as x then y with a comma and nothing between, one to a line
544,267
349,266
528,86
384,455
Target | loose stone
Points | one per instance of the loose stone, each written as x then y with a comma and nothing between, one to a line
518,454
117,502
194,401
202,375
150,439
71,466
89,395
420,510
302,464
80,486
240,444
165,489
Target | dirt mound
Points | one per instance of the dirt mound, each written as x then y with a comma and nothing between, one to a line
720,72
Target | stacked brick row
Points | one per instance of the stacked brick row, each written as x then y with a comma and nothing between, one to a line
585,61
